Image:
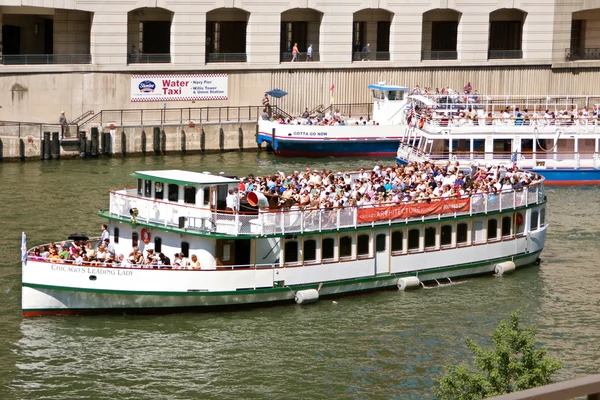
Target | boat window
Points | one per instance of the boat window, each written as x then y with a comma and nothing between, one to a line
115,235
542,217
396,95
173,192
291,251
189,195
446,235
185,249
345,246
520,220
478,148
327,249
157,245
413,239
206,196
506,226
533,225
147,188
135,239
362,245
397,237
479,229
158,190
140,187
429,237
310,250
462,233
378,94
492,229
380,242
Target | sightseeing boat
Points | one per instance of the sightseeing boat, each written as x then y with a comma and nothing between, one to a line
274,254
349,136
559,141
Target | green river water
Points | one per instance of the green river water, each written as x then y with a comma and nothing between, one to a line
376,346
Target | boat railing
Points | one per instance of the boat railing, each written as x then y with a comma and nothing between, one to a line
296,219
539,101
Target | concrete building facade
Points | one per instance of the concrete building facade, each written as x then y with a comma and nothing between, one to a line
79,56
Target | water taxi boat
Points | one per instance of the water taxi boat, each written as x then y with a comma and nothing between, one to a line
279,254
338,135
559,141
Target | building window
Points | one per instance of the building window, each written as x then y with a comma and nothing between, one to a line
310,250
443,35
506,226
345,247
328,248
383,36
577,30
291,251
533,224
185,249
380,242
429,237
157,245
492,229
397,239
158,190
362,245
173,192
135,239
446,235
413,239
189,195
462,233
358,37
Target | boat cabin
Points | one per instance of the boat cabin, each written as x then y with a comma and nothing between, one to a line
389,103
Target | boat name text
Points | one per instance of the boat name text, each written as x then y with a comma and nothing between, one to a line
91,270
312,133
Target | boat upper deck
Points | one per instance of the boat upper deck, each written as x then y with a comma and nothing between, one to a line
407,202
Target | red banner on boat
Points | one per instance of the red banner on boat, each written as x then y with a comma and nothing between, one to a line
369,214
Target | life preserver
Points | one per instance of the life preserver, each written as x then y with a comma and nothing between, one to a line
519,219
146,236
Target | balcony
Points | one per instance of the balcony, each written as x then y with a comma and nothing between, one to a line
45,59
371,56
581,54
439,55
504,54
149,58
287,57
225,57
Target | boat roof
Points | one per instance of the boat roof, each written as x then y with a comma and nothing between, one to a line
383,86
423,99
181,177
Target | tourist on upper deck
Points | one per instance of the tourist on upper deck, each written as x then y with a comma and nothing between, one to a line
104,233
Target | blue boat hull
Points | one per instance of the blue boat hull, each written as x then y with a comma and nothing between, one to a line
331,148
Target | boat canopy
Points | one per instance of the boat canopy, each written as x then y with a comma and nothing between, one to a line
180,177
384,87
425,100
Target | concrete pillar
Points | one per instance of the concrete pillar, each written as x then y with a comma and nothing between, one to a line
188,38
405,37
262,37
537,33
472,36
336,36
108,38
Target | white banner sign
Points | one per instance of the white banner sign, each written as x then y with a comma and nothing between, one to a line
178,87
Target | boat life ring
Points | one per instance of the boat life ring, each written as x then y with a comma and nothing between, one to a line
146,236
519,219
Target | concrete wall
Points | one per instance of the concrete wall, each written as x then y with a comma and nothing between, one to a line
129,140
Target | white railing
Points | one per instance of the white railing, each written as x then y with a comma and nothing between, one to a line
296,219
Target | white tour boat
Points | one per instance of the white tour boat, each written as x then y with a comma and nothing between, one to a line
560,140
281,255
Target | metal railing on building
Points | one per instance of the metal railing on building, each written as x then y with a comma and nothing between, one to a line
504,54
288,56
439,55
45,59
371,56
226,57
149,58
583,54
